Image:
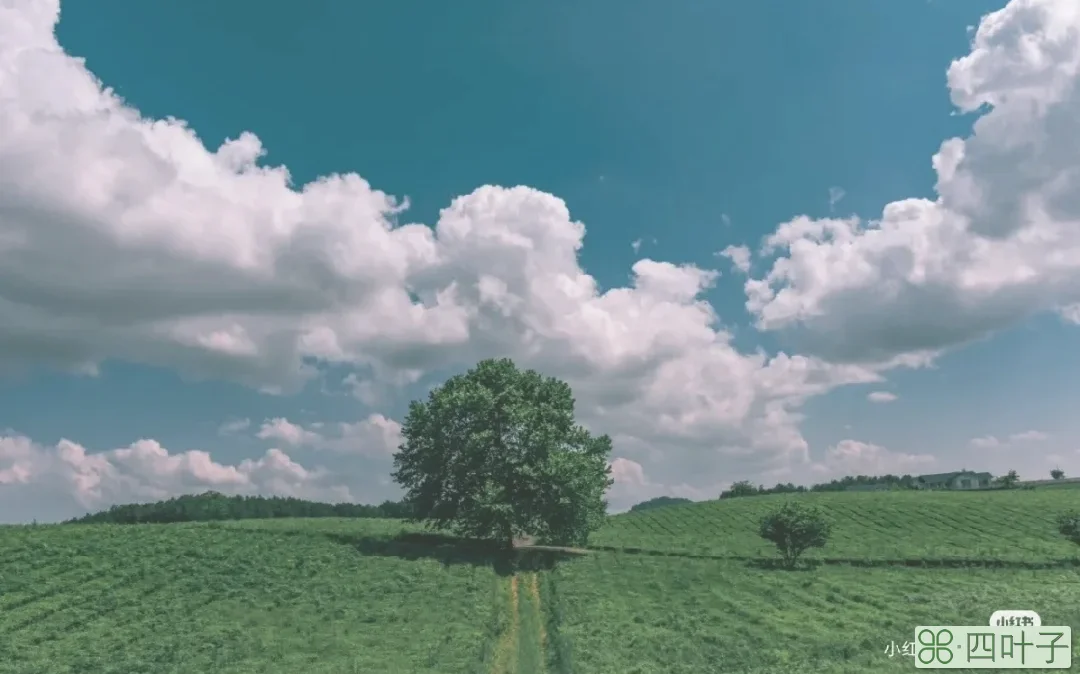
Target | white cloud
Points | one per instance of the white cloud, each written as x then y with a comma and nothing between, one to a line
852,457
1070,313
376,436
835,195
124,237
1001,240
991,441
64,480
1029,436
881,397
284,431
631,486
627,472
234,426
739,256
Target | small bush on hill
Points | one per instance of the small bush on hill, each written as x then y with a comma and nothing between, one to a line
1057,474
795,528
1069,525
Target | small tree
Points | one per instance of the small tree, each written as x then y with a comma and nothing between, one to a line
1009,480
1057,474
1069,525
795,528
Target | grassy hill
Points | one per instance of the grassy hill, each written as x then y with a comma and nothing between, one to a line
678,589
885,527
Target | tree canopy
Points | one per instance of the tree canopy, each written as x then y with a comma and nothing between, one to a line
496,453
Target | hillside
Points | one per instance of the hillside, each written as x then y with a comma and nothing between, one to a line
679,589
1014,525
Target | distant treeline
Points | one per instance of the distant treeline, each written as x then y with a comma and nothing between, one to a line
212,506
659,502
845,483
745,488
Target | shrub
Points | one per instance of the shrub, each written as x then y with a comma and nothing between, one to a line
795,528
1069,525
1057,474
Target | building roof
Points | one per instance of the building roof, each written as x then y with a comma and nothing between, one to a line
941,478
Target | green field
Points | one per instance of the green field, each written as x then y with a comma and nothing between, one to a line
677,589
890,526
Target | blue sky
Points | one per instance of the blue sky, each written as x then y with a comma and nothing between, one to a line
173,319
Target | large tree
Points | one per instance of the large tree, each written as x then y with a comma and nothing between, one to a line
496,453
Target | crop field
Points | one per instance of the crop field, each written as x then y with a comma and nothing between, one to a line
898,526
258,597
639,614
684,588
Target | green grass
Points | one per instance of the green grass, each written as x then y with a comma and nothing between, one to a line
1008,526
277,596
676,589
634,614
682,587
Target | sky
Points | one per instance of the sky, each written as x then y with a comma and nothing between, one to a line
772,241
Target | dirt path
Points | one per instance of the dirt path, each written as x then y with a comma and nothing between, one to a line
534,591
506,650
522,647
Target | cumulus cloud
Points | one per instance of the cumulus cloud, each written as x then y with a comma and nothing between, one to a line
881,397
376,436
125,237
852,457
999,242
631,485
739,256
985,442
284,431
65,480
